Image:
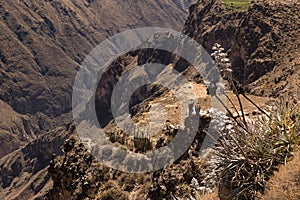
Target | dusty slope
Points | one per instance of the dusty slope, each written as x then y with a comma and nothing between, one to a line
208,23
43,45
286,182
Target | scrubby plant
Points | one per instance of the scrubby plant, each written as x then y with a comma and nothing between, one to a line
117,135
245,157
245,160
223,63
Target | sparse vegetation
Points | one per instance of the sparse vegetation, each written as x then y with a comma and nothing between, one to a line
285,183
246,157
142,142
246,160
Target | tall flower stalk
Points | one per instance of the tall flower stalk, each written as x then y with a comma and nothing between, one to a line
245,158
223,63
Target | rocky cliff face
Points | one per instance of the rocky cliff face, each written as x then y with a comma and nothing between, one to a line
16,130
259,40
78,175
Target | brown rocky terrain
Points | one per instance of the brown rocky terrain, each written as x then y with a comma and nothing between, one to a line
78,175
24,172
256,40
264,39
15,130
42,46
285,183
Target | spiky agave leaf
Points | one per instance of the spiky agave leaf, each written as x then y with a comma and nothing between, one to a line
245,160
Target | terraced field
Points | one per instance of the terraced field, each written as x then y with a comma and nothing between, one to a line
237,4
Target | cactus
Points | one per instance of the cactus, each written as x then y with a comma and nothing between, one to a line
141,141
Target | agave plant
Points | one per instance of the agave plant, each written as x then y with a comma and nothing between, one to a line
245,160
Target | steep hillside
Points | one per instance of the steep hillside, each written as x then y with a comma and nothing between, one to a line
78,175
264,39
285,183
43,44
15,130
256,41
24,172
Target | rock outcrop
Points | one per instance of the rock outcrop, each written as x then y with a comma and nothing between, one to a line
78,175
42,46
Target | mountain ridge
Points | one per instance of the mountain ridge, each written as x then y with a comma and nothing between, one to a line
42,47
